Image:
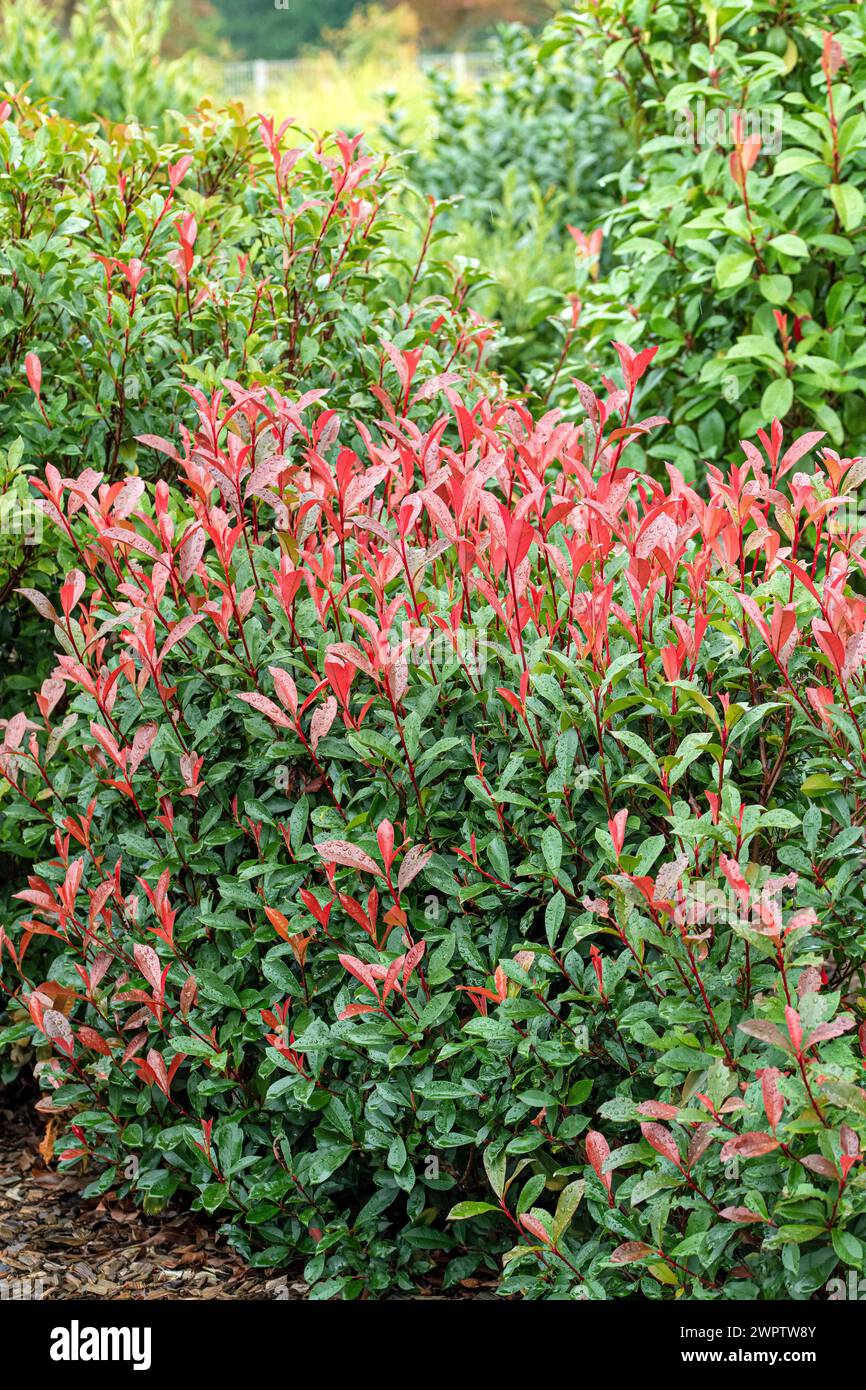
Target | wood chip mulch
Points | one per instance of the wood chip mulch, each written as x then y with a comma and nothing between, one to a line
56,1245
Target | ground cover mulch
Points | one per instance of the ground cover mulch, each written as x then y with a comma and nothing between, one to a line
55,1244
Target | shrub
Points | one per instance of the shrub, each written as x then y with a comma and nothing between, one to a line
108,61
523,154
535,123
449,847
131,270
739,218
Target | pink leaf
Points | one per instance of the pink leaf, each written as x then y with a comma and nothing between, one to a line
264,706
341,852
741,1215
750,1145
148,963
360,971
629,1251
662,1141
774,1102
322,720
33,368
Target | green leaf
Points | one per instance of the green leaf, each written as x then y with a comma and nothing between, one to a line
818,784
551,847
848,1247
776,289
733,269
777,399
569,1200
849,204
212,987
464,1210
789,245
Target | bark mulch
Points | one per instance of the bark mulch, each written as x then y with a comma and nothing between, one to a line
56,1245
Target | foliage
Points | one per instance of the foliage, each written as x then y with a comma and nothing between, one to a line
449,846
740,212
131,270
436,838
530,125
520,271
523,154
108,62
161,266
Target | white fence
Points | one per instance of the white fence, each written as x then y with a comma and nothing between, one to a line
255,77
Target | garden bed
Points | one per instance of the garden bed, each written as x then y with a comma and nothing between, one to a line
56,1245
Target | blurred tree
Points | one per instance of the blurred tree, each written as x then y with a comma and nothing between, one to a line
282,28
193,24
375,30
259,29
447,22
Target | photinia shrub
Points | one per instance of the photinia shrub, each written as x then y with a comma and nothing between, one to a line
448,846
131,269
736,225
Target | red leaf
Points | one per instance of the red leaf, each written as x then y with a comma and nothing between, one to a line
535,1228
765,1030
278,921
148,963
412,864
322,720
617,831
88,1037
157,1066
413,956
816,1163
834,1029
699,1143
741,1215
360,971
287,692
385,841
598,1151
774,1102
353,1010
750,1145
264,706
33,368
188,995
630,1251
658,1110
662,1141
